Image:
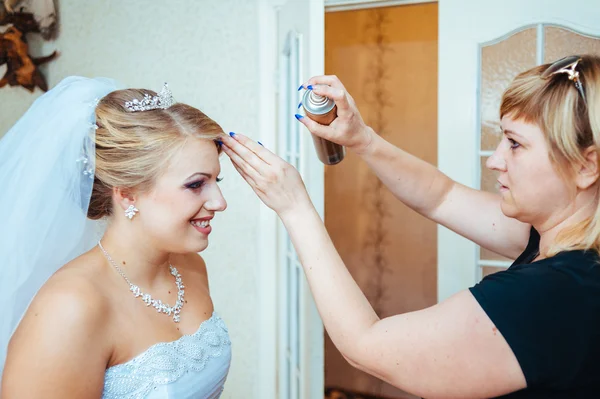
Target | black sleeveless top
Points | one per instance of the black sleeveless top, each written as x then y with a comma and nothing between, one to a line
549,313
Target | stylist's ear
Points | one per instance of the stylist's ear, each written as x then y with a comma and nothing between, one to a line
588,174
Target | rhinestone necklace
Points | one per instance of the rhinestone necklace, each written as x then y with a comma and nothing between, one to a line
156,303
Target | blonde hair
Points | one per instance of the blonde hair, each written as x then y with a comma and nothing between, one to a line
133,147
570,127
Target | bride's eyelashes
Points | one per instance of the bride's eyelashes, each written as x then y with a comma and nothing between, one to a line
195,185
198,184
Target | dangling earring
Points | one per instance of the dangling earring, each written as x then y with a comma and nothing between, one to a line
131,211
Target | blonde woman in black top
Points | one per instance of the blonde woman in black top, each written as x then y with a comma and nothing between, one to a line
532,331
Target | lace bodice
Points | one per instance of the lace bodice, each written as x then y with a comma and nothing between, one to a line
194,366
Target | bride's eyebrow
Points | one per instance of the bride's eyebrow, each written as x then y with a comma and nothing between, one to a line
198,174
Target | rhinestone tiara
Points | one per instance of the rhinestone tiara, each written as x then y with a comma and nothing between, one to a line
163,100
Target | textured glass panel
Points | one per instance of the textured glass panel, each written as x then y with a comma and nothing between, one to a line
500,63
560,42
487,270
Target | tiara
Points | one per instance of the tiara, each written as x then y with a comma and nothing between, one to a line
163,101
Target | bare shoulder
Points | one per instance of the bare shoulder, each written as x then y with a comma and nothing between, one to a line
62,335
72,297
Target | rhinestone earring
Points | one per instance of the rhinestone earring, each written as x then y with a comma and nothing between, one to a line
131,211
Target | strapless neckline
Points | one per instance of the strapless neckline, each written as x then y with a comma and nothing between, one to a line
212,318
193,366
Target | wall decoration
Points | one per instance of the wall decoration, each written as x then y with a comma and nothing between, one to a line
18,18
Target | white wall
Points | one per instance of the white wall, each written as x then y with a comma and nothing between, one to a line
208,53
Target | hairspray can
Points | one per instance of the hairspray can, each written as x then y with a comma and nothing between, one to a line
323,110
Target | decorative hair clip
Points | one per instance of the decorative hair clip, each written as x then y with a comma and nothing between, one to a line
163,101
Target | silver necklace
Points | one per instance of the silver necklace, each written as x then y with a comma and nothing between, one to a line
156,303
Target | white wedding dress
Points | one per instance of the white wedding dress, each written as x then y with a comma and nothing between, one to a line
195,366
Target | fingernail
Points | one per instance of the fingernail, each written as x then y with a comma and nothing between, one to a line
260,143
232,134
299,105
309,87
298,116
301,87
219,142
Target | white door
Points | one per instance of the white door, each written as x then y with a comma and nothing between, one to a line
483,44
300,37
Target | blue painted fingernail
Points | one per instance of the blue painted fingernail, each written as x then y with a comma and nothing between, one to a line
309,87
299,105
301,87
298,116
219,142
260,143
232,134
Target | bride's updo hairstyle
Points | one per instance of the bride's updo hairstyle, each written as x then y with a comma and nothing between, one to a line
134,145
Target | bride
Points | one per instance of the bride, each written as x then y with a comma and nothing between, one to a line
129,315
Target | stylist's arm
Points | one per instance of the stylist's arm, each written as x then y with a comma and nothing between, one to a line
416,183
450,350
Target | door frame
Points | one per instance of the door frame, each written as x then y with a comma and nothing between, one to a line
350,5
268,261
268,237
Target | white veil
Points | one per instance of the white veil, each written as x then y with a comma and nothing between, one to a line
46,179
